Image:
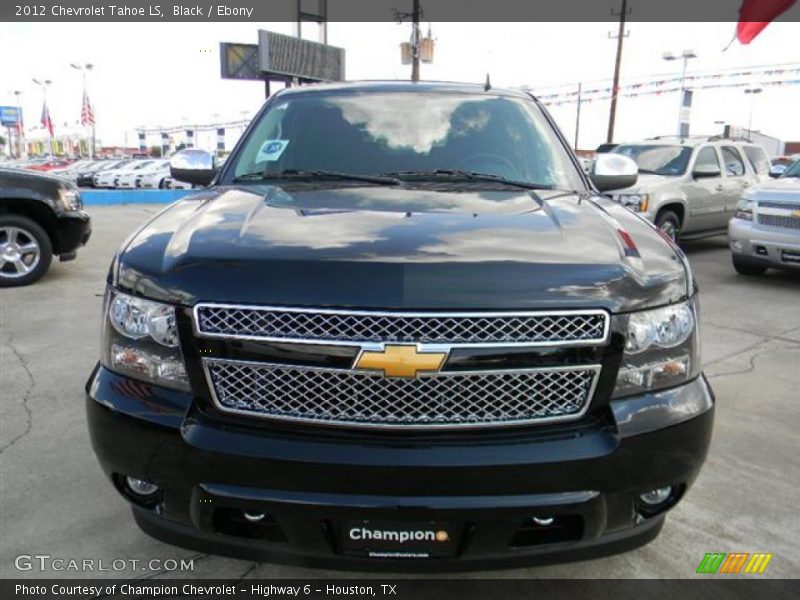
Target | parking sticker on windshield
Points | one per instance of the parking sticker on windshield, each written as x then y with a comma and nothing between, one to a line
272,150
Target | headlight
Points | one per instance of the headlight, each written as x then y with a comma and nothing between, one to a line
744,210
661,349
635,202
666,327
142,340
70,198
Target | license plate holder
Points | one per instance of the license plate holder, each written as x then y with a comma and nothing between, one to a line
390,539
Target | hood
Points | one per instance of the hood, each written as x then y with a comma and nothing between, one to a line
647,182
384,247
784,188
13,175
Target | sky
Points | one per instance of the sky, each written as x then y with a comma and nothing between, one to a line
168,74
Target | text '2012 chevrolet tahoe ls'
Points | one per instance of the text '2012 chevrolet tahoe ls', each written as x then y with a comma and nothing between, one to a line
401,329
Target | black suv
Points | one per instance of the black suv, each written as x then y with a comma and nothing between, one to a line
40,216
401,329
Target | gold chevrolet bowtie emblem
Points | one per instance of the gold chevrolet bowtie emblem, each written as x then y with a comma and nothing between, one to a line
400,361
796,214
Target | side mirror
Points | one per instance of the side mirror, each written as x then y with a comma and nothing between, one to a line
777,170
192,166
706,172
614,172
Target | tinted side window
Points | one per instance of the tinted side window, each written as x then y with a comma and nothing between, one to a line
758,159
707,157
734,166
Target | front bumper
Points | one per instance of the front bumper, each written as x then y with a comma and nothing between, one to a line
72,230
311,483
777,248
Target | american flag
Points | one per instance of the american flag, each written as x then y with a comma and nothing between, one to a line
87,113
46,121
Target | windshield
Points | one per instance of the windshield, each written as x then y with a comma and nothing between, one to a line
793,171
660,159
374,133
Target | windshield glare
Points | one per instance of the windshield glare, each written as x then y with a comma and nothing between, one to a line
660,159
376,133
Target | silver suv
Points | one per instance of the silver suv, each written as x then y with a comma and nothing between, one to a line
765,231
691,187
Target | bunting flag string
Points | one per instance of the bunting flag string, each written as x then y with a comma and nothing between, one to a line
662,84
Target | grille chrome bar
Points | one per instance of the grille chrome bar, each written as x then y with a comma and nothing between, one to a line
353,327
443,400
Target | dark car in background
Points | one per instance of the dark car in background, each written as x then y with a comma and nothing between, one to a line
86,178
401,329
41,216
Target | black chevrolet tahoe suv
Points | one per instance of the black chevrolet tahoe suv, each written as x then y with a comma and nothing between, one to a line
40,216
401,329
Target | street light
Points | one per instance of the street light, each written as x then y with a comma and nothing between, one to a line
21,150
44,83
84,68
752,92
686,55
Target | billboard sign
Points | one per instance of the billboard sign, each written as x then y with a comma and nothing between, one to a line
239,61
9,116
294,57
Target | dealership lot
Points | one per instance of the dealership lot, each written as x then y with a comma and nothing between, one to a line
55,500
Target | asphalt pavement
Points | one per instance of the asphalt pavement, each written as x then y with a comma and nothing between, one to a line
55,500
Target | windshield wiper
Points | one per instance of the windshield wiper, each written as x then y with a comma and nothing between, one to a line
460,175
311,175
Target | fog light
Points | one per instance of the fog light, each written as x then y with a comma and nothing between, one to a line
254,517
543,521
657,496
140,487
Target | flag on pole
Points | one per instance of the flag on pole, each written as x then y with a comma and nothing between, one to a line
755,15
47,122
87,113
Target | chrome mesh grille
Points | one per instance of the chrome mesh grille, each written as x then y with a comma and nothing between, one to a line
577,327
449,399
779,221
779,205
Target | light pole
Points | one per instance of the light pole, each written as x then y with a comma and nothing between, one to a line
20,127
44,83
86,117
686,55
752,92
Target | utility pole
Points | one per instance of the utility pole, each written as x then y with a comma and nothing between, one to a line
615,86
415,41
578,117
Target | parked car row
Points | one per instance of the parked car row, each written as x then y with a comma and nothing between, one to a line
127,173
121,174
698,187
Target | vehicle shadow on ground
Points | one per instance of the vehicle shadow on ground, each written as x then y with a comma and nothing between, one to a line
710,244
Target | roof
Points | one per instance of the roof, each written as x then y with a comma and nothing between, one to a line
406,86
690,141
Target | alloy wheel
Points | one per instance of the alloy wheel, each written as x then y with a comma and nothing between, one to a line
669,229
19,252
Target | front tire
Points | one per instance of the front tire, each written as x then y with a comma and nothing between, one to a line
25,251
670,224
746,268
